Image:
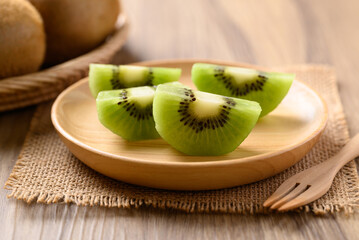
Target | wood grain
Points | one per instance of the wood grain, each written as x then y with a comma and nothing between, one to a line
264,32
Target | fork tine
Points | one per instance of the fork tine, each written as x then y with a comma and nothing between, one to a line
302,199
294,193
283,190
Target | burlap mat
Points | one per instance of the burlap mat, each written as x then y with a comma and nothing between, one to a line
46,172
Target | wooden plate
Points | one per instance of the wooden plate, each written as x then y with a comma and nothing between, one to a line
277,142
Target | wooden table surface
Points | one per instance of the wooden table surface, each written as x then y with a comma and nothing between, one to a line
263,32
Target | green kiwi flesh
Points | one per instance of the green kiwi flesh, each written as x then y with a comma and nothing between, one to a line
266,88
128,112
108,77
200,123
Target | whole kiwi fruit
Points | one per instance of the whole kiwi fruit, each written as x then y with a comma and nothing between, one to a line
22,38
74,27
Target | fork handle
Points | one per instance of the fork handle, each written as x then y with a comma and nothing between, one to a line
345,155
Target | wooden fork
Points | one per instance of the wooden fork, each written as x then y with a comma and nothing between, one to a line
312,183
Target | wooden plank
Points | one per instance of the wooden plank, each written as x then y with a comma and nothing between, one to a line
13,128
265,32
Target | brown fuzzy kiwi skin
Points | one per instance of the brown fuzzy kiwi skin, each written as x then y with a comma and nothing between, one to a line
74,27
22,38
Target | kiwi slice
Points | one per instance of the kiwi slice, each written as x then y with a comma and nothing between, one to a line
128,112
200,123
108,77
266,88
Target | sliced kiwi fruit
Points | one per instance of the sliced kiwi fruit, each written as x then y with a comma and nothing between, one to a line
266,88
200,123
128,112
108,77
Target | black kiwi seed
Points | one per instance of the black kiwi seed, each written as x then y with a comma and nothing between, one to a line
198,125
115,80
135,111
149,77
140,113
123,95
242,89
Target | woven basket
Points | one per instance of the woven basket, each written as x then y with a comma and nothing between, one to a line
25,90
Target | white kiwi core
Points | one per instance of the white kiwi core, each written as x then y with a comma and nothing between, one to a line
241,75
143,95
133,74
206,104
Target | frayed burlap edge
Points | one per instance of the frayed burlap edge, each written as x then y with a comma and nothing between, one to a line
129,202
29,197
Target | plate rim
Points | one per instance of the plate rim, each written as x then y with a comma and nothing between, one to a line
224,162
